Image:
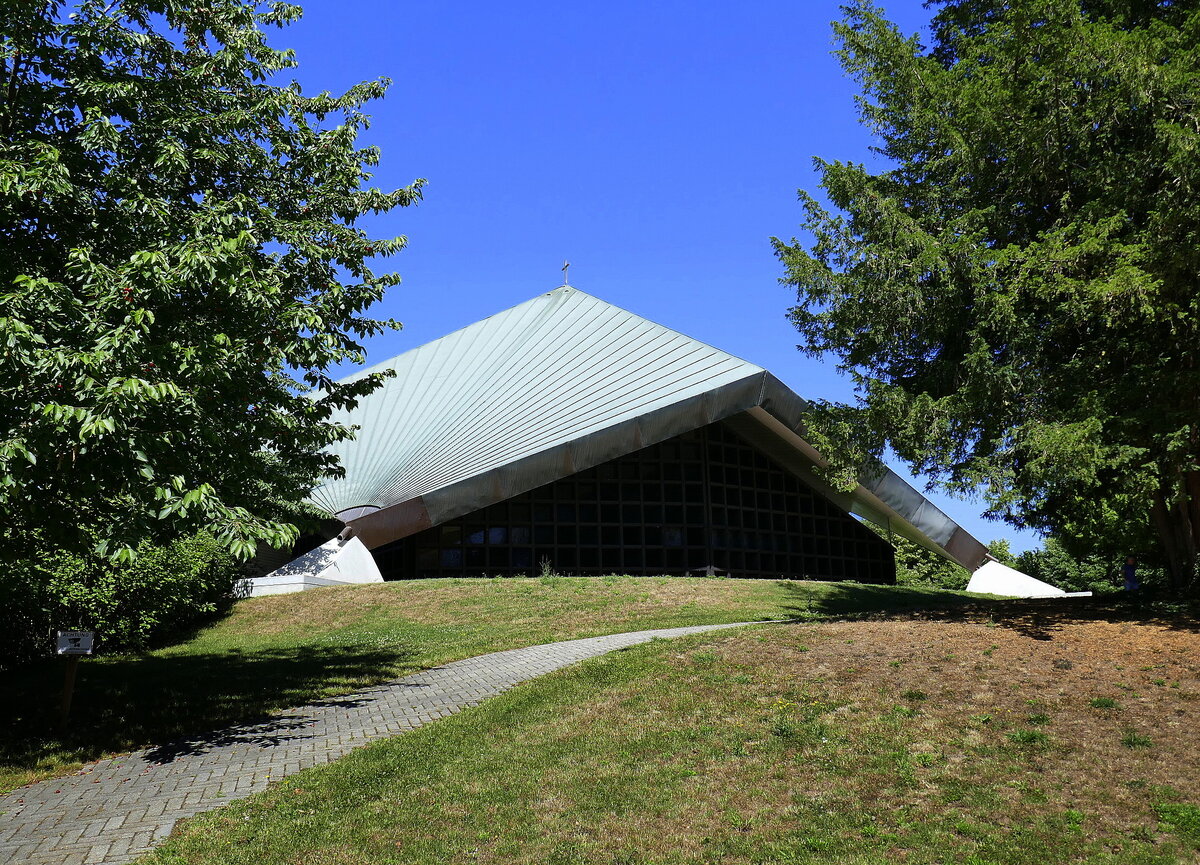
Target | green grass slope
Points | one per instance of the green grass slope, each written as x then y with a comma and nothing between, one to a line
275,652
860,742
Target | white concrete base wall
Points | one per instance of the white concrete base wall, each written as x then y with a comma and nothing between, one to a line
272,585
993,578
335,563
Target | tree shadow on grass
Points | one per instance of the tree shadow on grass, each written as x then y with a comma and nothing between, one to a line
1042,618
813,599
1036,618
172,702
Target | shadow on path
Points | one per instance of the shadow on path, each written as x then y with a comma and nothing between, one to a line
166,702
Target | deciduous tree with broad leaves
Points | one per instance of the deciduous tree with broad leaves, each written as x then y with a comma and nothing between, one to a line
181,266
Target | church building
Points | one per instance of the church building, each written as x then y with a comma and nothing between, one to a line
570,435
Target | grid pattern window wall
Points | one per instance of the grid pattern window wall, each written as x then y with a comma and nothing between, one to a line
703,502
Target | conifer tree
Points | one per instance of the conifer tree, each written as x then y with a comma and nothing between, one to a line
1014,285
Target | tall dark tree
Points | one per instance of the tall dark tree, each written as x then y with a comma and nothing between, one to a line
180,263
1015,284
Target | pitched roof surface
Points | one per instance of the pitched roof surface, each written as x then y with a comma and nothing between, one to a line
551,370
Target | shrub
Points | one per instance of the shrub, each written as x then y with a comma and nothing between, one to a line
1056,565
918,567
130,606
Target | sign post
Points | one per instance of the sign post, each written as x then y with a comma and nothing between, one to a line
73,644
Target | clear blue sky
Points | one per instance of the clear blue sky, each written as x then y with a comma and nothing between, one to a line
657,145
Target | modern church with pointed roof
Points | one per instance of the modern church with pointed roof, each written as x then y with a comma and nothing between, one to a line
569,434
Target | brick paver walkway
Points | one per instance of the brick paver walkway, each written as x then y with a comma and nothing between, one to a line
116,809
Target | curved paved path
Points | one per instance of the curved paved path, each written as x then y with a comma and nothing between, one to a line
117,809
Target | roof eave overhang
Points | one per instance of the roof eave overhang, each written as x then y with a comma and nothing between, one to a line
883,497
409,517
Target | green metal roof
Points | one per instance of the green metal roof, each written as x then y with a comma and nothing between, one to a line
558,384
551,370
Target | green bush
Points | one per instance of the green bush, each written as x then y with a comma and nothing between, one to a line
131,606
1055,565
919,568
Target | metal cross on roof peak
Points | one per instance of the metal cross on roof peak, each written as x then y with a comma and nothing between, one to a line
566,278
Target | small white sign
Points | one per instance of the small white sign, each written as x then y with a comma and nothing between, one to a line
75,642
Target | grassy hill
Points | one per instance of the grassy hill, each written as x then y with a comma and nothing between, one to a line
275,652
876,725
1020,734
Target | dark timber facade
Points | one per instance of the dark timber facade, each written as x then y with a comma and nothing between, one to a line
705,502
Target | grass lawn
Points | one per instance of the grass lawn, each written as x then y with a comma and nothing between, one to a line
1017,735
275,652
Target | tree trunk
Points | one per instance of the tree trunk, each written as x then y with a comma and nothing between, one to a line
1176,515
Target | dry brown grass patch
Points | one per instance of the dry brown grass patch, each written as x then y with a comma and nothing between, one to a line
850,668
1087,767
